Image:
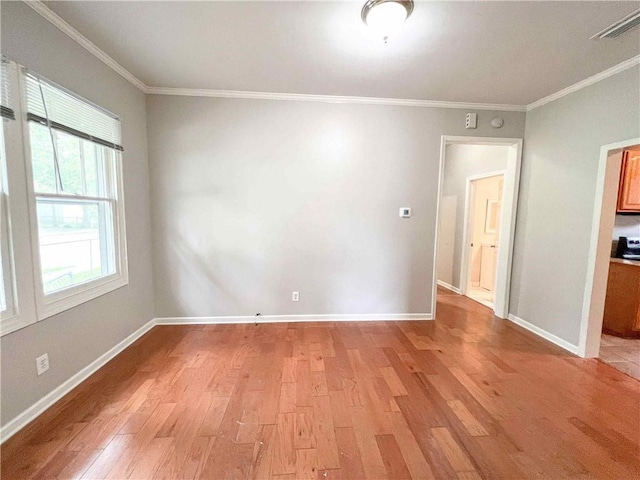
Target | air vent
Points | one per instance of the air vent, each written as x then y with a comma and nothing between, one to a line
623,25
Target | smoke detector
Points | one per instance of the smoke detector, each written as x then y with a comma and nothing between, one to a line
618,28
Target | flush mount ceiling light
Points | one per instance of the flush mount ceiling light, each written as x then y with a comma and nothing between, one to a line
386,17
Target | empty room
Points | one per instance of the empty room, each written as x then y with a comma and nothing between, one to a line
374,239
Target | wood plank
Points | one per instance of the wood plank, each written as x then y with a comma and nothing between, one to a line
328,456
393,381
392,457
316,361
457,458
284,454
289,369
350,458
340,409
305,434
288,398
319,384
263,452
473,426
306,464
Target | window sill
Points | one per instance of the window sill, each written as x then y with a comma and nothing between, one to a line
59,302
13,324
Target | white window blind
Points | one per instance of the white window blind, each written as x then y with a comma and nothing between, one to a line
59,109
5,90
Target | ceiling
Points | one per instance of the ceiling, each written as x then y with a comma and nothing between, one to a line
481,52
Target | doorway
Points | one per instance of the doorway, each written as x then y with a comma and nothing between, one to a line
480,261
477,201
604,231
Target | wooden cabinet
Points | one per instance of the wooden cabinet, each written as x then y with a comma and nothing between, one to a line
622,304
629,190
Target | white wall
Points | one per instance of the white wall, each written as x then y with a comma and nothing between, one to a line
462,162
254,199
557,191
78,336
626,226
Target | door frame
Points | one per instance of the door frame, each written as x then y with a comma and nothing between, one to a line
468,225
507,221
600,249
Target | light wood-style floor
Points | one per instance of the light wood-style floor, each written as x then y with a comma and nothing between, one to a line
465,397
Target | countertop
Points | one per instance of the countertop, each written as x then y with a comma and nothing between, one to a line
626,262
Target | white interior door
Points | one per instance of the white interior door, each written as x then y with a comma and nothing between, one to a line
484,224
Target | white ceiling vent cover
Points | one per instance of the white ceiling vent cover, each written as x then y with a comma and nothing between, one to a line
623,25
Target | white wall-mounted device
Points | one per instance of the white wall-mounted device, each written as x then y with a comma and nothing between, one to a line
497,122
472,120
42,363
295,296
405,212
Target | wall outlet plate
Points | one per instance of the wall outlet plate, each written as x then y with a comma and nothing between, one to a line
42,363
295,296
405,212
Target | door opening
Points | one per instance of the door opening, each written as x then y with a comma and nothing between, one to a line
605,230
483,238
477,201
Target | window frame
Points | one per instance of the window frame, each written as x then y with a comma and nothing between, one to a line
30,302
56,302
18,238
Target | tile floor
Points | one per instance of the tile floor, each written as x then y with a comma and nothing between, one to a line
481,295
621,353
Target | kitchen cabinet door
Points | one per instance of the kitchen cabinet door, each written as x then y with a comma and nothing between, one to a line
629,190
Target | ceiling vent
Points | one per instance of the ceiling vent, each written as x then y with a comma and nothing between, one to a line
618,28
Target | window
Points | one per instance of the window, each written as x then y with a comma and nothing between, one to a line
17,307
76,197
62,229
6,274
6,258
74,208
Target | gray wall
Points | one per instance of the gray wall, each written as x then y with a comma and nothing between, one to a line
557,191
253,199
461,162
78,336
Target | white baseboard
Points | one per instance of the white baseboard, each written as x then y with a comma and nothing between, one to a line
570,347
30,414
293,318
449,287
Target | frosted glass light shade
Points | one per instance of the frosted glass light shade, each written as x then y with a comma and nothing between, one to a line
385,18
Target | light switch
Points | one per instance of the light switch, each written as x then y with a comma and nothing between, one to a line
405,212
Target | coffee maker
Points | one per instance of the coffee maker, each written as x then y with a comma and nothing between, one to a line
628,248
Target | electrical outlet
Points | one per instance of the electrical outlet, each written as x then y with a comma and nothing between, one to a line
295,296
42,363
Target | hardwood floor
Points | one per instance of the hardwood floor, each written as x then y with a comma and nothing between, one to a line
465,397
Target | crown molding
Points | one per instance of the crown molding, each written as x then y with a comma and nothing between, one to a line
83,41
403,102
621,67
57,21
